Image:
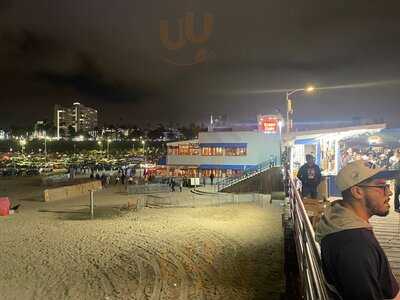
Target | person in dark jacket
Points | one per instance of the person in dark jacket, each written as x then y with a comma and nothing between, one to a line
212,178
310,176
353,262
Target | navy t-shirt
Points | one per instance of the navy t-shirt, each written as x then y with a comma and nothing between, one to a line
354,262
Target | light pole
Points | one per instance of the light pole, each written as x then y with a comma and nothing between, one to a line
133,145
22,143
45,146
100,145
108,146
289,107
144,151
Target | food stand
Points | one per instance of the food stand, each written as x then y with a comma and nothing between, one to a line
325,145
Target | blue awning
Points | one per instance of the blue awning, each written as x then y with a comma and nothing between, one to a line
227,167
305,142
224,145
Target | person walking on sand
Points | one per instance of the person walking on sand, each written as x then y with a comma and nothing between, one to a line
173,183
212,178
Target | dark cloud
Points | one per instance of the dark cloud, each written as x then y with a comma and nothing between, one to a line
88,80
112,57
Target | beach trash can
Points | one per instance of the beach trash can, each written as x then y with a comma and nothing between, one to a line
4,206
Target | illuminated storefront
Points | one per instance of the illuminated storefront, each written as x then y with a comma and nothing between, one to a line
326,146
222,153
187,148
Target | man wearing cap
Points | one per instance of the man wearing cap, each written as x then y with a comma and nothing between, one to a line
352,259
310,177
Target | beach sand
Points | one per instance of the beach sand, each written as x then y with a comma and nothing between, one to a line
198,251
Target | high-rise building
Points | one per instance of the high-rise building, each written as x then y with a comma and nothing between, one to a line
78,118
39,131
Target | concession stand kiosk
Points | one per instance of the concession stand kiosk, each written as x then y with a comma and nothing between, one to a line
327,147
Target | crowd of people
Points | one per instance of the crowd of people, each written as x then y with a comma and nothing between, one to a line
123,176
379,156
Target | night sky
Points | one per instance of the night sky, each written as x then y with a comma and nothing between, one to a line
112,55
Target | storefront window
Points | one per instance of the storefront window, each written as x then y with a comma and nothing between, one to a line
218,151
173,150
217,173
212,151
221,173
183,150
235,151
194,149
328,156
205,151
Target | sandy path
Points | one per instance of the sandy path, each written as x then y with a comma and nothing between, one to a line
224,252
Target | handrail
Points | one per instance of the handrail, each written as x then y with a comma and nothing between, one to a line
247,173
308,251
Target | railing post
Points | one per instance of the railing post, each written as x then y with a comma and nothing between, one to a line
91,204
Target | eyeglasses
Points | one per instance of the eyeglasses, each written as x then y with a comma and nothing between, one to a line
385,188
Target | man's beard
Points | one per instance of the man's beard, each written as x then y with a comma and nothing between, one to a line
373,208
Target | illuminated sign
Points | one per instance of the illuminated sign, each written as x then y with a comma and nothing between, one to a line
268,124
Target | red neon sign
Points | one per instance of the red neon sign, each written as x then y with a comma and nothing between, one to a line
268,124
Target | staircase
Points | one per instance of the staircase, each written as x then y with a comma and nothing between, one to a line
262,167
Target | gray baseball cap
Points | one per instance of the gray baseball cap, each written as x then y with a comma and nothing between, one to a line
360,170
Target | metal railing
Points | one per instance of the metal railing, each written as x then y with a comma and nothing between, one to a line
250,172
308,251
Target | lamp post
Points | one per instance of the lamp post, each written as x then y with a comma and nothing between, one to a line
108,146
289,107
133,145
22,143
144,150
100,145
45,146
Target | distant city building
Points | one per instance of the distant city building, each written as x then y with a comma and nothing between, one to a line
78,117
218,123
3,135
38,131
172,134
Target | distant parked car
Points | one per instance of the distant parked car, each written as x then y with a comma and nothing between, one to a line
45,169
32,172
10,172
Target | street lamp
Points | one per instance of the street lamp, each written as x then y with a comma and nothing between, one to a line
108,146
144,150
45,146
22,143
133,145
289,107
